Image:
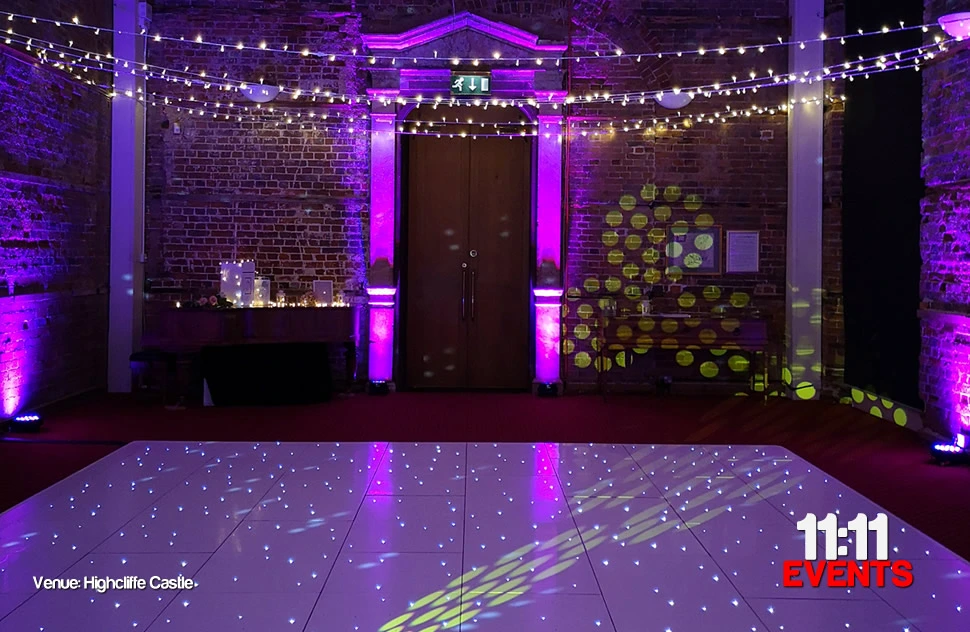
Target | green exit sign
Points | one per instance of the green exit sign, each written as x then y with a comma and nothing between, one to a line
470,84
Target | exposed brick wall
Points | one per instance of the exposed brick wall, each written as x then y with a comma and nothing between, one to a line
945,371
735,173
296,200
945,279
54,218
292,199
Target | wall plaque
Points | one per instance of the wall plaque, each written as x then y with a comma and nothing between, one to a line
743,251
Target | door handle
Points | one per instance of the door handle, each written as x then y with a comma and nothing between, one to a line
464,274
473,294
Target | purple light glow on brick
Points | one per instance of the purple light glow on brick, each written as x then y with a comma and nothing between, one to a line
382,189
946,359
549,192
548,328
14,376
441,28
380,351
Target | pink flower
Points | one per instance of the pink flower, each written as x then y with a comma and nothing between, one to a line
202,301
213,300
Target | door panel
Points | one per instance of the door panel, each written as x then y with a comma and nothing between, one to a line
499,210
437,234
468,195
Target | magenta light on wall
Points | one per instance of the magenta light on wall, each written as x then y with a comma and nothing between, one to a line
549,191
16,363
459,22
380,348
953,394
382,189
548,324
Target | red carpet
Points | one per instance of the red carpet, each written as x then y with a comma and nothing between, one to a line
888,464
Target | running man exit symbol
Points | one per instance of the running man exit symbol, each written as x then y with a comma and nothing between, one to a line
470,84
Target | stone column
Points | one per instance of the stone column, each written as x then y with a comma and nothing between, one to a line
127,250
381,278
548,290
803,366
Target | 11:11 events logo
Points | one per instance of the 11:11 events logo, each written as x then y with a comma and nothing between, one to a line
835,571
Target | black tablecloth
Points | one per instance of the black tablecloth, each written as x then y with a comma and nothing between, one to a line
267,374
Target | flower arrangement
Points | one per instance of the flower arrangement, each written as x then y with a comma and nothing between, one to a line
215,301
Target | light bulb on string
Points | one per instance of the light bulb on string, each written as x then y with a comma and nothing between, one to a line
163,71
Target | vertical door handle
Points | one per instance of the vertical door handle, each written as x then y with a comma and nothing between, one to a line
464,274
473,294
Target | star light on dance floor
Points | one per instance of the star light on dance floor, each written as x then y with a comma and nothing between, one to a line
420,537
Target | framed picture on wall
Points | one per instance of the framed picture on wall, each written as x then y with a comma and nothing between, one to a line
695,249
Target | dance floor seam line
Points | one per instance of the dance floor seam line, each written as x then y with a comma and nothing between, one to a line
533,553
333,566
464,531
204,467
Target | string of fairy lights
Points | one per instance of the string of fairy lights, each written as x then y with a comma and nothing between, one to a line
356,121
89,61
80,63
69,55
224,46
470,129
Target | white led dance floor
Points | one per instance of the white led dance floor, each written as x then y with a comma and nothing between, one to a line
452,536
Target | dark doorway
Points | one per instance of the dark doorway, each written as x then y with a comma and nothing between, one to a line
881,208
467,314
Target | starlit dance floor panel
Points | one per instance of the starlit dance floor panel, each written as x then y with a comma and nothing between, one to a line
398,537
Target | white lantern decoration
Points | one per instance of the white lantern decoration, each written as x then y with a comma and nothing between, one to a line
237,282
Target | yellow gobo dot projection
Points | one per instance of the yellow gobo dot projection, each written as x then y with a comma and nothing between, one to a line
660,235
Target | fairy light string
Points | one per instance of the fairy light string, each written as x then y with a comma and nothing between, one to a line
226,111
91,61
618,54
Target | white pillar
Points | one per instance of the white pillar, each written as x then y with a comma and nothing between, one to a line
127,196
803,368
548,291
381,280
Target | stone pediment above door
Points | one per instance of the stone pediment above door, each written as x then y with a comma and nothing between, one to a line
466,37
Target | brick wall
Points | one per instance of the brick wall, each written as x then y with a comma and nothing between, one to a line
296,200
945,279
292,199
625,193
54,217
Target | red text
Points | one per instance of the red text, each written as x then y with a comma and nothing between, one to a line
847,573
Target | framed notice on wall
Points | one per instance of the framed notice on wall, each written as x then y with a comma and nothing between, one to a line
743,251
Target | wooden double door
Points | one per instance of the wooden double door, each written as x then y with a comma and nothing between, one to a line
468,251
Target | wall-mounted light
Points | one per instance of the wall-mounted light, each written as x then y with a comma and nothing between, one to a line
956,25
673,100
260,93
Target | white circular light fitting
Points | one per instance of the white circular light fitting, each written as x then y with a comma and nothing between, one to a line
673,100
260,93
956,25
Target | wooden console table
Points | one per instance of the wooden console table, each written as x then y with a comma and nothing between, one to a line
683,331
189,330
